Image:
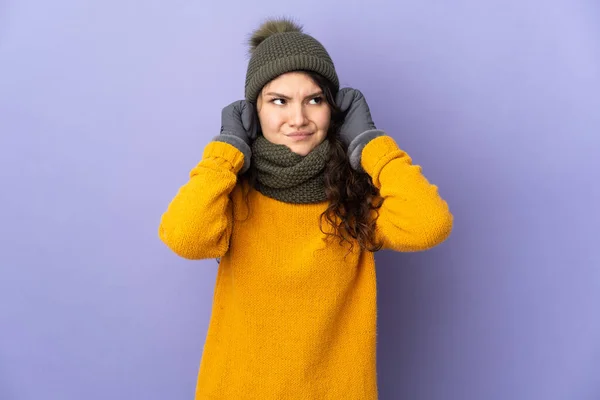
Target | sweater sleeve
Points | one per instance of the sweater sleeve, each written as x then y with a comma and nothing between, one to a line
198,221
413,216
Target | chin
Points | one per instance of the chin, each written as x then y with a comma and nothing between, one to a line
302,149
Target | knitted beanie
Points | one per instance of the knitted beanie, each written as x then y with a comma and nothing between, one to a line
279,46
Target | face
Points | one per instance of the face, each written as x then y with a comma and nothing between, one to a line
293,111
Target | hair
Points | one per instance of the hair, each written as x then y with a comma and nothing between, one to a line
353,199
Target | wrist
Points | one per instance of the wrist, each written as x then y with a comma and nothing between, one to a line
239,144
357,145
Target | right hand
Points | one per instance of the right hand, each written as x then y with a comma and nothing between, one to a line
238,119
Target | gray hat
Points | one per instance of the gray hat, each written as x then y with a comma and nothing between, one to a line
280,46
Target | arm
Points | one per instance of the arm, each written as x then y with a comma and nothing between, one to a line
413,216
197,223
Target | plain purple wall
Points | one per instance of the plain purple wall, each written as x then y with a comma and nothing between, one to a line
105,107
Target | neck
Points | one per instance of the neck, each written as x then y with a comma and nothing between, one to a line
287,176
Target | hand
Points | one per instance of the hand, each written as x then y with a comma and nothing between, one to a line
237,119
358,117
239,128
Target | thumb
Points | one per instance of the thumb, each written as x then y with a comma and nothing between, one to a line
248,116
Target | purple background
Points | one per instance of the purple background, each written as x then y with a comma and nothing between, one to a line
105,107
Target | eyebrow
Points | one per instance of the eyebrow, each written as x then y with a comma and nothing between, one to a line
283,96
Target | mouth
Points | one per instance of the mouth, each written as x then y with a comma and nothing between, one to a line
299,135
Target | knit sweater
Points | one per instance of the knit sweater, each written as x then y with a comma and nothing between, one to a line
294,314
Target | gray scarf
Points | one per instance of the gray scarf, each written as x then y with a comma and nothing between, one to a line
287,176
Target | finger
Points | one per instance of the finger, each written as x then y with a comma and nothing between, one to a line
345,98
229,112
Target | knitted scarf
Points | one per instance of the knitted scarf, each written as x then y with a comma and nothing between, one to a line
287,176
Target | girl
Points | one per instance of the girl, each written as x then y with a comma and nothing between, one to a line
293,197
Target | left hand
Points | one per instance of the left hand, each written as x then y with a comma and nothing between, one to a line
358,118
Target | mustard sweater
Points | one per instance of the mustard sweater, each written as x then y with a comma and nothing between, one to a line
293,313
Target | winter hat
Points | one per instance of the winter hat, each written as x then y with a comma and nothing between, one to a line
279,46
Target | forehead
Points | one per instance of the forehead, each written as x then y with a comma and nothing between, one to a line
292,82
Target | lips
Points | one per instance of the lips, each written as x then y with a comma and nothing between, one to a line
299,133
298,136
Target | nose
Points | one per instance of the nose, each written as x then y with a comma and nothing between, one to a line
298,116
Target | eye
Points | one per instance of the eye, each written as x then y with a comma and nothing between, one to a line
275,101
317,100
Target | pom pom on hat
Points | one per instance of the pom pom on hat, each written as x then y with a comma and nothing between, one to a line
270,27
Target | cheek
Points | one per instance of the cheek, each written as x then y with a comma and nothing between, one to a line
323,120
269,121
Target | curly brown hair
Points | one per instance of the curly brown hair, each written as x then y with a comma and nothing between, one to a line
353,199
